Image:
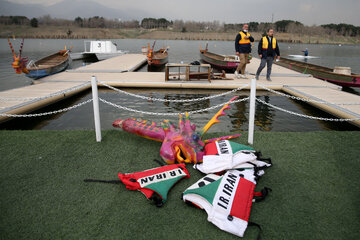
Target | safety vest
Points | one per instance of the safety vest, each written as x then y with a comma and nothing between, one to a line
243,40
224,155
155,183
226,199
265,43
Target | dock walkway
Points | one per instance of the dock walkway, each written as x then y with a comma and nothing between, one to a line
124,63
117,72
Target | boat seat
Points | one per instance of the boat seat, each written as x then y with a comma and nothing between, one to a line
45,65
42,66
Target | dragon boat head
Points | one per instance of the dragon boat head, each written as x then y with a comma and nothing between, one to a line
182,144
19,63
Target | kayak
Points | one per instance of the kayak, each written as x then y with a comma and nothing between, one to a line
302,56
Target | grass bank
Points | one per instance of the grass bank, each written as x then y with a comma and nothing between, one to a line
59,32
314,181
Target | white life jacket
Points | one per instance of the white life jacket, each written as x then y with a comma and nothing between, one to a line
224,155
226,199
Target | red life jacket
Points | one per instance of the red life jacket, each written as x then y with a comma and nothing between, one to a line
156,182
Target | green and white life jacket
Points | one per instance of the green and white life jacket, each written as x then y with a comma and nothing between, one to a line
154,183
224,155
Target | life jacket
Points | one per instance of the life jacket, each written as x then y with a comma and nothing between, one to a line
243,40
153,183
226,199
265,43
224,155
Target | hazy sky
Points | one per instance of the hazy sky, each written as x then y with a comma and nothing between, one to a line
308,12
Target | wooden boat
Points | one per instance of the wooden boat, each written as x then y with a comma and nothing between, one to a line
328,74
157,58
49,65
222,62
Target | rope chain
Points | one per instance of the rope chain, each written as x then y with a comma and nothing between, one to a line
307,116
186,100
47,113
168,100
303,99
170,114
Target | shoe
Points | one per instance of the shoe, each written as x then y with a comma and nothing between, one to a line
236,74
257,77
243,76
269,79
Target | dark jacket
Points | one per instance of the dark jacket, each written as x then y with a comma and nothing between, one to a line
270,51
242,48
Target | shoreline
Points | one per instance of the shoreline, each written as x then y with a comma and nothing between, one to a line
61,32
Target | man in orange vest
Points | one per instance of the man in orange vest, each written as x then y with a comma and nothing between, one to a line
243,48
268,50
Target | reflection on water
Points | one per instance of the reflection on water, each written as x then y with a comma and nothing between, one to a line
189,106
264,115
155,69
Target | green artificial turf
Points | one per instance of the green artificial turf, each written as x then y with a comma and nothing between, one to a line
42,194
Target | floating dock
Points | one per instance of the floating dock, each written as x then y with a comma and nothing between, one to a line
124,63
30,98
118,72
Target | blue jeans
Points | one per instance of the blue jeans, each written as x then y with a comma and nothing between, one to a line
264,61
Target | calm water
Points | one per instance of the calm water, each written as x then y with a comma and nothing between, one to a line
267,119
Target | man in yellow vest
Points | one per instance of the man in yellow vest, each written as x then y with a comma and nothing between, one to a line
243,48
268,50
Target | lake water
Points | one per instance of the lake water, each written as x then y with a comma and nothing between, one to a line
267,119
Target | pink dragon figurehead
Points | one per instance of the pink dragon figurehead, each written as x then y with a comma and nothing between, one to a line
178,145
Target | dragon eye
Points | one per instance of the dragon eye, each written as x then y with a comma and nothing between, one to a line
195,137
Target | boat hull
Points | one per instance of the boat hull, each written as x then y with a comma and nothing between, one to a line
36,74
43,68
219,61
158,59
321,72
356,83
157,62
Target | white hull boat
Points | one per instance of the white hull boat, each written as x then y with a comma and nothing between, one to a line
101,49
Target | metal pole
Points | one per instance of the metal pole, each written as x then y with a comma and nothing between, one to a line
252,111
96,108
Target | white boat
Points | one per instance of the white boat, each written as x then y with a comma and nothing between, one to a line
101,49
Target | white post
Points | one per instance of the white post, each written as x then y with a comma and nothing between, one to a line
252,111
96,108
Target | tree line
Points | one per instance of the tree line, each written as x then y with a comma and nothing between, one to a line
286,26
343,29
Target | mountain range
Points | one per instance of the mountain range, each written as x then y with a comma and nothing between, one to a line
69,9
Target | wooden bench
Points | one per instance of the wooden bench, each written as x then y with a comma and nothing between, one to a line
188,73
